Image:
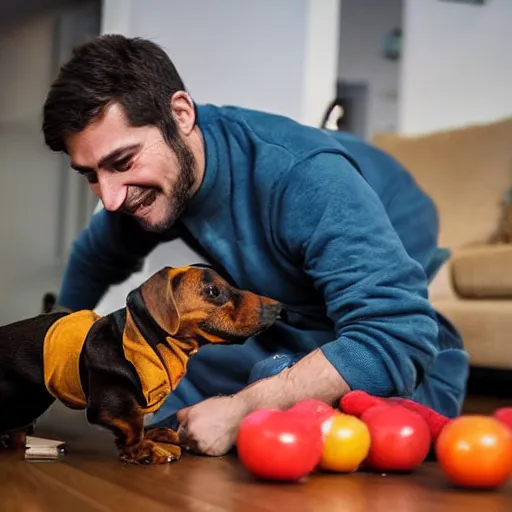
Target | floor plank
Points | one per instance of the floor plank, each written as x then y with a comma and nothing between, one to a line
90,478
202,484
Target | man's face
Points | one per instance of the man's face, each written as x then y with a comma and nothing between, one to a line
133,169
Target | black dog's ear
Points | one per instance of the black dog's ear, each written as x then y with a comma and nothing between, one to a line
158,293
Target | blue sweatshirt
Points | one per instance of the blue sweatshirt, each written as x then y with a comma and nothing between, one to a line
333,228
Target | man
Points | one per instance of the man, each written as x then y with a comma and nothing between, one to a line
331,227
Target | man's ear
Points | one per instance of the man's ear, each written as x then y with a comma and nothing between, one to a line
158,293
183,111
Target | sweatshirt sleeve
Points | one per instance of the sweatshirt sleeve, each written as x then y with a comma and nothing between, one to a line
332,222
105,253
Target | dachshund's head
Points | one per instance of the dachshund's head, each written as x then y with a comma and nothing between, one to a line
196,302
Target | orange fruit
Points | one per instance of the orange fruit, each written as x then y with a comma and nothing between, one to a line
475,451
346,443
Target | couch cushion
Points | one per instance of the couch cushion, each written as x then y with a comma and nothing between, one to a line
485,327
466,171
483,272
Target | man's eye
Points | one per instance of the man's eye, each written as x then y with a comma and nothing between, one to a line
91,177
122,165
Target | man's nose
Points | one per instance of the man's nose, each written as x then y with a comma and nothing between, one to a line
111,191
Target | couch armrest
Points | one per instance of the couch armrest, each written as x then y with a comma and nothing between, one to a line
441,287
482,271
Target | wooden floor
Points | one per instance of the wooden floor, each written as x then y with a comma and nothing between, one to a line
89,483
90,478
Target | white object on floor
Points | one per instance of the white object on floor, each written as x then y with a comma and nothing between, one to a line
41,449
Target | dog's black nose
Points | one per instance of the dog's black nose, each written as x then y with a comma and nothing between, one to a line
271,313
285,312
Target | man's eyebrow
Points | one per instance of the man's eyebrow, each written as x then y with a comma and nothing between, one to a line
108,159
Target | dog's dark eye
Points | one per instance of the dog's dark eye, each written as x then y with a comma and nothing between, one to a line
212,292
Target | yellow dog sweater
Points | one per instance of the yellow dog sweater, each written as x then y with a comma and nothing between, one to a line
159,360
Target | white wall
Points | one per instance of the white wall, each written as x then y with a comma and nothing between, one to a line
364,25
30,175
26,59
457,64
232,51
275,56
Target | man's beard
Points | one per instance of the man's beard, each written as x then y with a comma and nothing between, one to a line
180,193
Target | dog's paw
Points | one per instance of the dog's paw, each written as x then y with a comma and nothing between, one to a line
13,440
148,452
4,441
162,435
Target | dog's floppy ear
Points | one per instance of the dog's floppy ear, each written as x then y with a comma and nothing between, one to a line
158,293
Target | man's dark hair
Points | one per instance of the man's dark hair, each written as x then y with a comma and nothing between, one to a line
136,73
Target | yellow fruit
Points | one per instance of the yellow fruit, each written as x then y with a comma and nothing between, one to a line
346,443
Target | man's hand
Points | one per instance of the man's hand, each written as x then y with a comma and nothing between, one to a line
210,427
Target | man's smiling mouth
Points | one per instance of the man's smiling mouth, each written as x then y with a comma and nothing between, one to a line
140,202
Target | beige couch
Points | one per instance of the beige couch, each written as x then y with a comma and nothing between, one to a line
468,171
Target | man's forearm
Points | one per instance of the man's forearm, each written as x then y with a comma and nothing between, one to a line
311,377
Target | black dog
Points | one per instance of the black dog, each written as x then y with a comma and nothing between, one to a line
122,366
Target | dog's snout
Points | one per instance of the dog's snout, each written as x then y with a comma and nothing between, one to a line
271,312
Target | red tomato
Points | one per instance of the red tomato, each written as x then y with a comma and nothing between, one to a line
504,414
279,445
475,451
314,410
400,438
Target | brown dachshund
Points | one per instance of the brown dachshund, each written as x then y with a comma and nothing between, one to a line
122,366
